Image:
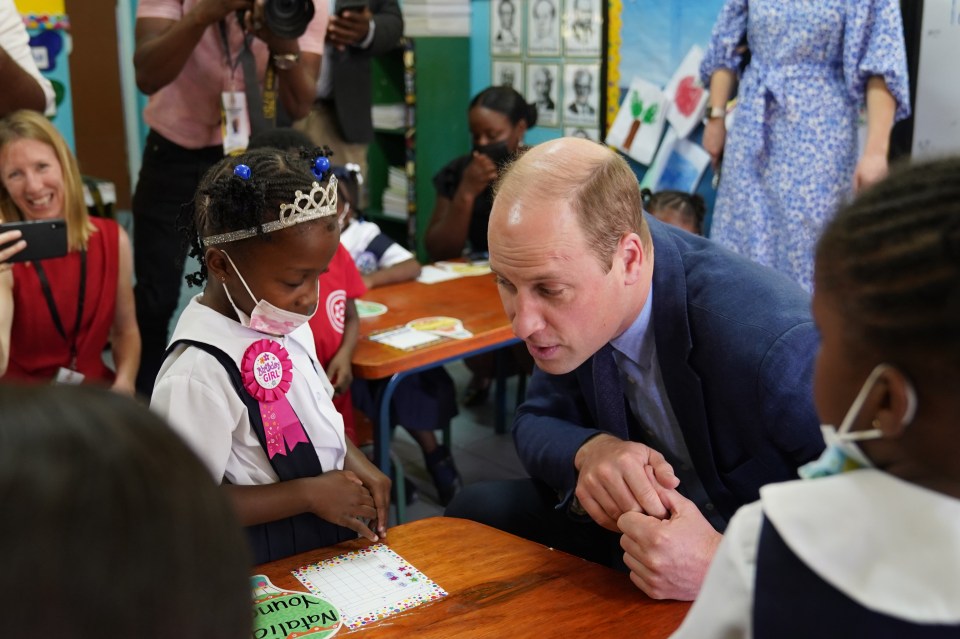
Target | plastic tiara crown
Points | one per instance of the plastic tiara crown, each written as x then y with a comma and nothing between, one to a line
303,209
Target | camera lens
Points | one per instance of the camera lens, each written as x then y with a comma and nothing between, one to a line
288,18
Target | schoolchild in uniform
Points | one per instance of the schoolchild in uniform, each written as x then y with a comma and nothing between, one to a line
867,543
241,381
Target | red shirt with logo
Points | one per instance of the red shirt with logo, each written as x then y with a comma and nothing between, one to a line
340,283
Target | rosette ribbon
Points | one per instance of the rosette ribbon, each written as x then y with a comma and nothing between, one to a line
267,372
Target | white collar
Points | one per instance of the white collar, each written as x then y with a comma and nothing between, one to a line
890,545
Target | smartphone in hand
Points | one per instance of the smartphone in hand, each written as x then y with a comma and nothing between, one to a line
45,239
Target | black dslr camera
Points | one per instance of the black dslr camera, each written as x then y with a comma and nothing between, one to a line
288,19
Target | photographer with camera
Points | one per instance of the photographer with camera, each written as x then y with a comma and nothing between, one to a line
216,71
340,117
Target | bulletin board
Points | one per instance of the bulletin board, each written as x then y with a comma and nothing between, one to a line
648,42
49,30
649,39
550,51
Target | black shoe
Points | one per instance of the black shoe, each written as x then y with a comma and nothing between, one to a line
476,392
444,474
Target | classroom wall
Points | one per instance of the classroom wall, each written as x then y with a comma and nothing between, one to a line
101,145
480,64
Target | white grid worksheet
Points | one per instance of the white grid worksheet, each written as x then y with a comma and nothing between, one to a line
369,584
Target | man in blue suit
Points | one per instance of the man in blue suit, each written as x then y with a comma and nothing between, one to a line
673,377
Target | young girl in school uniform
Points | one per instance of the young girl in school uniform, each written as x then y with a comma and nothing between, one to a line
868,543
241,381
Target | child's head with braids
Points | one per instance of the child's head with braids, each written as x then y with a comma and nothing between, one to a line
264,228
683,210
887,302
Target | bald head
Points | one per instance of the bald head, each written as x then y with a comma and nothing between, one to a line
591,179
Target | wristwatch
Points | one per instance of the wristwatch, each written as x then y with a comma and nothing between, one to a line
716,112
284,61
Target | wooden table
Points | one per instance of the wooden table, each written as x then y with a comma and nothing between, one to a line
499,585
473,300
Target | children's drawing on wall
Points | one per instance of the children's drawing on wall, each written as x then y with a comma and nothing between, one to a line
639,123
581,132
505,27
543,27
687,95
582,94
542,90
508,73
678,166
581,34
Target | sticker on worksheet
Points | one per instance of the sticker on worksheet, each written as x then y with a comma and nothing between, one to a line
466,269
369,584
441,326
370,309
288,614
404,338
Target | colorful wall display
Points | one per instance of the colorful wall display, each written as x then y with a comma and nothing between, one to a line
50,42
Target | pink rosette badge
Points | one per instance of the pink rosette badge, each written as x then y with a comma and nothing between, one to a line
267,372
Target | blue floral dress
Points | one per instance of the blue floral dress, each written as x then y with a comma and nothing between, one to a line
792,149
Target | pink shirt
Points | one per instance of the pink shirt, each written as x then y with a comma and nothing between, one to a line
187,111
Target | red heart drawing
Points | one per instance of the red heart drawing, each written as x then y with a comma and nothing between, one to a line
688,96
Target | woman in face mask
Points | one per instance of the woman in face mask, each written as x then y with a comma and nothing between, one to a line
241,382
499,117
866,543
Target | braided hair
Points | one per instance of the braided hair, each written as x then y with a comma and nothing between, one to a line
890,261
690,205
227,202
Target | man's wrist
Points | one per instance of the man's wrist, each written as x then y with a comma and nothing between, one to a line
584,449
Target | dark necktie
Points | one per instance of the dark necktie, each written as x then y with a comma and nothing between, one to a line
611,412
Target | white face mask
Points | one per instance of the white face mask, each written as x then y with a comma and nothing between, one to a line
842,453
265,317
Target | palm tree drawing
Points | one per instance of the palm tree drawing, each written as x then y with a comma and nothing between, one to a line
640,116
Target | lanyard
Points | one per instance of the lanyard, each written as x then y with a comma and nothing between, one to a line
232,63
52,305
261,109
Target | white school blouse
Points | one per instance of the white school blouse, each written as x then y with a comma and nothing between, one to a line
194,393
891,546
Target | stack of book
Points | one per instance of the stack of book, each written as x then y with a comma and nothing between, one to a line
389,116
436,17
395,195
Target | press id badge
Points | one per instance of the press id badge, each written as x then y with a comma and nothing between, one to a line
68,376
234,122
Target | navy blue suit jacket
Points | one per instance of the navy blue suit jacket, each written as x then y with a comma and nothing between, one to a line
736,346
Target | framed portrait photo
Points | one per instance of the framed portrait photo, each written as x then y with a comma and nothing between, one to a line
586,133
543,89
508,73
505,21
582,28
543,27
581,90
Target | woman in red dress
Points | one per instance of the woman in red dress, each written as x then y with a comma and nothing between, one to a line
57,315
